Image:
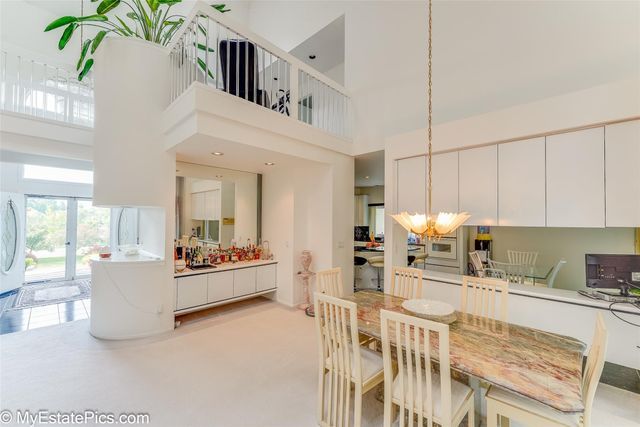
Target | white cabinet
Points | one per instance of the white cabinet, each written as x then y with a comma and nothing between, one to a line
197,206
622,169
444,197
266,277
212,205
521,183
191,291
219,286
478,172
575,179
244,281
410,185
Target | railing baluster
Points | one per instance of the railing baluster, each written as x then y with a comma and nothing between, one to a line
216,52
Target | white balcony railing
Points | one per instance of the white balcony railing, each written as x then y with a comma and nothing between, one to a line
45,91
208,50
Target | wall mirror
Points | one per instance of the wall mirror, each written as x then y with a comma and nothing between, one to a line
219,206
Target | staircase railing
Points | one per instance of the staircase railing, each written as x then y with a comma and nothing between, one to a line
211,50
44,91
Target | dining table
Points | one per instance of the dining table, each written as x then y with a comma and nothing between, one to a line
539,365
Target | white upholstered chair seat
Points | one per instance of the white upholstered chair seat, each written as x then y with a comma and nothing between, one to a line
371,363
459,393
528,405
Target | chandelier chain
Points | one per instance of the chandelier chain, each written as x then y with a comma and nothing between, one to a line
429,116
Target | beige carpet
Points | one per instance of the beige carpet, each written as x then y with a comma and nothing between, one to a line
254,366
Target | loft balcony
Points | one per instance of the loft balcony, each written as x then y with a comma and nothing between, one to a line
227,81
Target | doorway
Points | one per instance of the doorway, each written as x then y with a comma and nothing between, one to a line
62,234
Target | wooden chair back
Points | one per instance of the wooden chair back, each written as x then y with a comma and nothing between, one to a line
330,282
406,282
515,272
554,273
413,359
476,261
522,257
593,368
479,296
339,360
495,273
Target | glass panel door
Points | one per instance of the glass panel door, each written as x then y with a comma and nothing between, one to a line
46,239
92,233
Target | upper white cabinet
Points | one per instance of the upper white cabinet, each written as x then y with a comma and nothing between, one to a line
478,171
411,185
205,205
444,197
575,179
521,183
212,205
622,157
197,206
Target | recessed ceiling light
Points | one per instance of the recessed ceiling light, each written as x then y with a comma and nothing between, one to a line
312,57
366,177
269,163
217,153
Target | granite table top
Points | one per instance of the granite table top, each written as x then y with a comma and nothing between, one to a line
535,364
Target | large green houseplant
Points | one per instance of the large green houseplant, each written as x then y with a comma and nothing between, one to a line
151,21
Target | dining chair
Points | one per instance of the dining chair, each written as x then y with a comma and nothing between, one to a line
418,389
330,282
476,261
522,257
421,257
341,363
495,273
515,272
505,404
554,273
479,296
406,282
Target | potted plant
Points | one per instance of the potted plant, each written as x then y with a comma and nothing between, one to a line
151,21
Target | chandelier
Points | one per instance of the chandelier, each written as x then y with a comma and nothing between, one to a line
429,225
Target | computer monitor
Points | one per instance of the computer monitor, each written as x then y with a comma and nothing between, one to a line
612,271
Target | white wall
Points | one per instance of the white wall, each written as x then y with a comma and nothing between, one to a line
297,214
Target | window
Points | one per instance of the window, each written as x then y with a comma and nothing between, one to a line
48,173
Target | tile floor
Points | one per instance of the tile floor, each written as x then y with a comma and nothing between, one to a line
46,315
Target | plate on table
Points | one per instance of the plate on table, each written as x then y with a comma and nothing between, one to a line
430,309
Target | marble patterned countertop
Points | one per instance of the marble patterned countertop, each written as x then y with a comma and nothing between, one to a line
539,365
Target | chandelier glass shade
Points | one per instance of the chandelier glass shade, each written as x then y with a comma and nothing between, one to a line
427,224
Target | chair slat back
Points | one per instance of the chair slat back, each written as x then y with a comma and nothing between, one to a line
495,273
479,296
522,257
515,272
413,358
554,273
593,367
406,282
339,353
476,260
330,282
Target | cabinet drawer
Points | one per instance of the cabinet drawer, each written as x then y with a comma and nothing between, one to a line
244,281
219,286
191,291
266,277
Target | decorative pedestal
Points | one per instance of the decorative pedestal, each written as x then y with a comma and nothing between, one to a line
305,275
